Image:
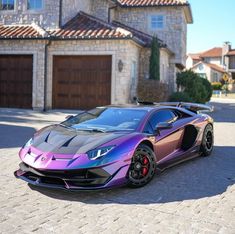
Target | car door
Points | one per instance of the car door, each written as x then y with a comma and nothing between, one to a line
168,141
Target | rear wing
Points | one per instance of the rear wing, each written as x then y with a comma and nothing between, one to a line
194,107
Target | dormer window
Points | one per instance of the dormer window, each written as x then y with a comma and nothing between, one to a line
156,22
35,4
7,4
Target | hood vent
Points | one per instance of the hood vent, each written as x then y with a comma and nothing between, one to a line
66,144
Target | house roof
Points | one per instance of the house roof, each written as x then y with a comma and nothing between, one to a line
214,52
159,3
194,56
84,26
231,53
145,38
144,3
212,66
21,31
215,67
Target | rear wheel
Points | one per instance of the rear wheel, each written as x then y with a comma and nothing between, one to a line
142,168
207,141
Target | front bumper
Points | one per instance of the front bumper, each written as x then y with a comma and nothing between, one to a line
82,179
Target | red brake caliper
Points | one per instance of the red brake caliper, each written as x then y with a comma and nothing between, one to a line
145,169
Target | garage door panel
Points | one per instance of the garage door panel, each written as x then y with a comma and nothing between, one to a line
85,81
16,72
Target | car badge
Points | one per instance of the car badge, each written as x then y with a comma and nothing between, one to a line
43,159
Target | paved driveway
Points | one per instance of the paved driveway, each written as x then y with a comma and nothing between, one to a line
195,197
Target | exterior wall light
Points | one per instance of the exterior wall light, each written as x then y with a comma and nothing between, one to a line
120,65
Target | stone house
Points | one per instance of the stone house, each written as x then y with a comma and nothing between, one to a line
78,54
213,63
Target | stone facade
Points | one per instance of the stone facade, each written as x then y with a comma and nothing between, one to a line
174,31
48,17
100,8
71,7
134,57
164,64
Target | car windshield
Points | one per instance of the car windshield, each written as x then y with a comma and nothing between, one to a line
106,119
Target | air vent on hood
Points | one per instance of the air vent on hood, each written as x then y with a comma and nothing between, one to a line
66,144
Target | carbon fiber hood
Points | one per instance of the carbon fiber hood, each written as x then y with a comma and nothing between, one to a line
62,140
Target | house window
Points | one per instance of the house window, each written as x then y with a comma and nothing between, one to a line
156,22
232,62
7,4
215,77
202,75
34,4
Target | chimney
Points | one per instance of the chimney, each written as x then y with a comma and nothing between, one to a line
226,48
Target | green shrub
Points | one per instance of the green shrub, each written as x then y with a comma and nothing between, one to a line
180,97
197,88
216,85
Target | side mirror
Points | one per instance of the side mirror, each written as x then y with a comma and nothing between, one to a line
163,126
68,117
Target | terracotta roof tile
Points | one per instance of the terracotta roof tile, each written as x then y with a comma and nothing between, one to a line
195,56
85,26
214,52
231,52
215,67
21,32
143,3
82,26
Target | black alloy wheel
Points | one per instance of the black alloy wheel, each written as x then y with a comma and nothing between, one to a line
207,141
142,168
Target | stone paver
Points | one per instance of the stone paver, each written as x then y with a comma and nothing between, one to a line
194,197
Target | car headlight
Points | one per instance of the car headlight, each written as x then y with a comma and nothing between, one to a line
100,152
29,143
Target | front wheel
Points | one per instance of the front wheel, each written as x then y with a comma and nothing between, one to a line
207,141
142,168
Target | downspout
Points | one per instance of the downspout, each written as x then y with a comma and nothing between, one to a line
60,12
45,73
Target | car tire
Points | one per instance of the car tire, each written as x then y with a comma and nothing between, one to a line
207,141
142,168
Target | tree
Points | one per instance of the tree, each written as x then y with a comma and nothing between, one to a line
193,86
154,63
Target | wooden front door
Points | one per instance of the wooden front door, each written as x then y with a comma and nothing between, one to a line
16,75
81,82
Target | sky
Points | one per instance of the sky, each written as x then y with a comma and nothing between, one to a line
214,23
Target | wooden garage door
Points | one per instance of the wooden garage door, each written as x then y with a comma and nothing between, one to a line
81,82
16,72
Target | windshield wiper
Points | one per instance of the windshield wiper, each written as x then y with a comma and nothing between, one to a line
96,130
90,129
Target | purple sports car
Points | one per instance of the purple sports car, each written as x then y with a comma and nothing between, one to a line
116,145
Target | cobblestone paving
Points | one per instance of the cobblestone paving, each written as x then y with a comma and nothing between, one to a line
194,197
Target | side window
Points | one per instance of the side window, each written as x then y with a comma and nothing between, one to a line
148,129
161,116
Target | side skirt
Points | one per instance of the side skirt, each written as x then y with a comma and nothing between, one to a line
163,167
